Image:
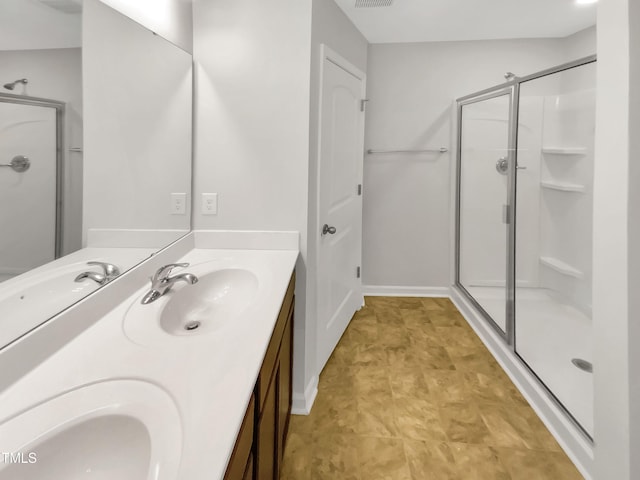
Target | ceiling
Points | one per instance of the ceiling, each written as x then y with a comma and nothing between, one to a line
453,20
35,24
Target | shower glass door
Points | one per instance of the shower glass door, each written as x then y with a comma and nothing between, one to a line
484,196
28,187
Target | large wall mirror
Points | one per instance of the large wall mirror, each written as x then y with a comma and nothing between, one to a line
95,153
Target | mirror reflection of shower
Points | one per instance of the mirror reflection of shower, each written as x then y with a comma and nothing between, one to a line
12,85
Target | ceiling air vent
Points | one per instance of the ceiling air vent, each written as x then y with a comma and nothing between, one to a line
373,3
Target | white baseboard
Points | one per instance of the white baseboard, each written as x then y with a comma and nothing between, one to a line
574,443
396,291
301,404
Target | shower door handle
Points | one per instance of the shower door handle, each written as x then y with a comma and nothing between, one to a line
19,164
506,212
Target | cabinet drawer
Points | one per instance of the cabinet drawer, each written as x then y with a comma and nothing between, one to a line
271,356
244,443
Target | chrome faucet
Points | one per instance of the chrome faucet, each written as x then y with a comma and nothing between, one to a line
161,282
109,272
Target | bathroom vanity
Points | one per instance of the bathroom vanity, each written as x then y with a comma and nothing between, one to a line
132,394
193,385
260,445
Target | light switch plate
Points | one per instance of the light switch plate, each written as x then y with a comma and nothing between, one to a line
209,203
178,203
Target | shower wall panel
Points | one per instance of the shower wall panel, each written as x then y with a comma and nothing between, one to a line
553,332
27,199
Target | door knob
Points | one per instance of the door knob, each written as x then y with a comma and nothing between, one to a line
327,229
19,164
502,166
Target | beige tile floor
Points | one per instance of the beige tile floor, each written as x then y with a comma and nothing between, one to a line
411,393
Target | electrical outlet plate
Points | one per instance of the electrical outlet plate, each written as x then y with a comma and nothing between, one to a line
178,203
209,204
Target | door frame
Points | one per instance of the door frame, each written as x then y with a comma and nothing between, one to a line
60,111
326,53
513,92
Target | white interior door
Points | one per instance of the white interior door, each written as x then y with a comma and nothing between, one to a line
339,199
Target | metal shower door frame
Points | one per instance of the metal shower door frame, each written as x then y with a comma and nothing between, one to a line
60,115
508,336
512,86
512,90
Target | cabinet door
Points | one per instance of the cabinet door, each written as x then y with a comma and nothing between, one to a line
266,462
242,451
284,385
248,474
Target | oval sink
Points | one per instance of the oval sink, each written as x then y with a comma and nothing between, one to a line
124,429
27,301
219,296
224,294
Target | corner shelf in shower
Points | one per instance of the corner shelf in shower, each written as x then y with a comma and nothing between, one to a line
561,267
563,187
564,150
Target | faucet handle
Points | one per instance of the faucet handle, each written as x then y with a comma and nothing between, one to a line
164,271
109,269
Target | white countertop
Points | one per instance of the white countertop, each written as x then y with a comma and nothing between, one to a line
30,299
210,379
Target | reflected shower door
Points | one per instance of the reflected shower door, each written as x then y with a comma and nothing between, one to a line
553,331
483,198
27,198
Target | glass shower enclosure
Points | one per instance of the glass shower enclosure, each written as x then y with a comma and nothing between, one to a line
524,210
31,181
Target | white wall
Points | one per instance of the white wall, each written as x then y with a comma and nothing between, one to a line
407,235
137,99
633,261
330,26
580,44
252,122
256,67
252,79
616,264
171,19
31,25
56,74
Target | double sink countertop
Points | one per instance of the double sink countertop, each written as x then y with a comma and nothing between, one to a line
209,373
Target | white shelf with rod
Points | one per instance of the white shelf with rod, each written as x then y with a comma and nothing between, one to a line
563,187
561,267
564,150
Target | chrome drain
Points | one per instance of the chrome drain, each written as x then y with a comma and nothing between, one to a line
582,364
191,325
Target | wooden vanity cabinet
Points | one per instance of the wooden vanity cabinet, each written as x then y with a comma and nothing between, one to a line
285,379
270,405
242,454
